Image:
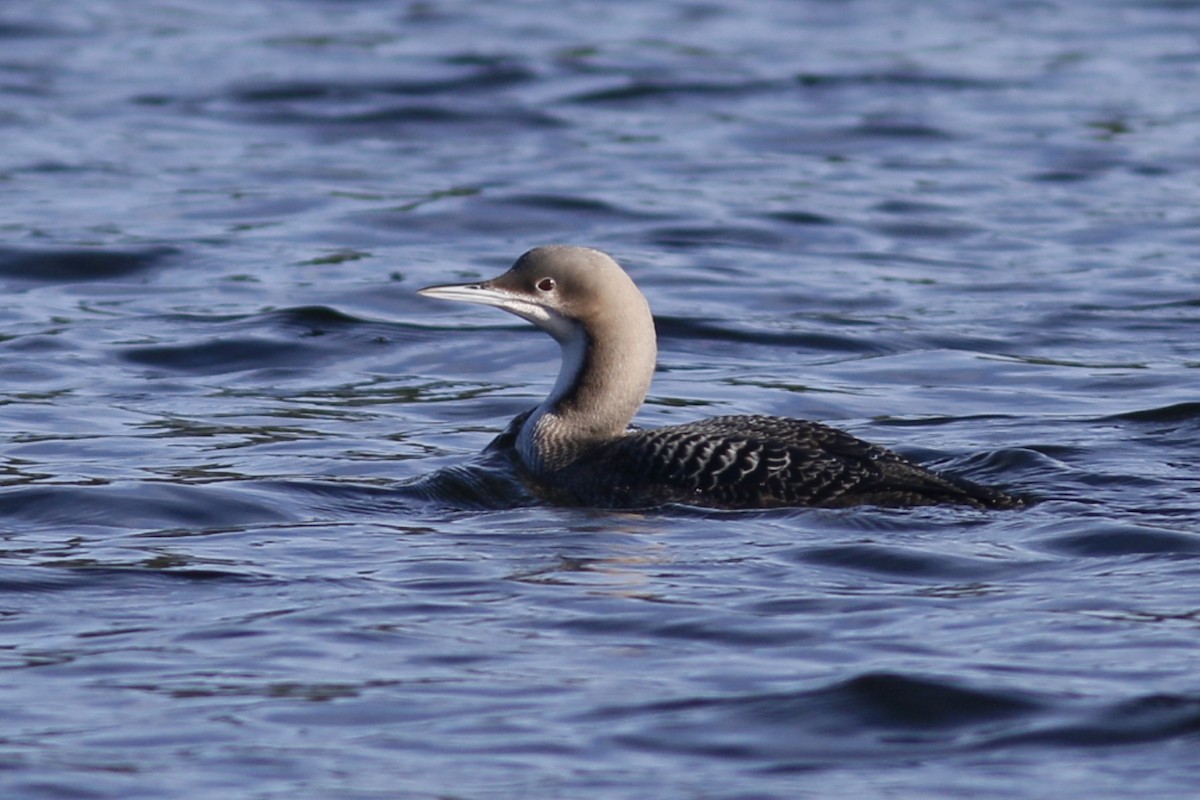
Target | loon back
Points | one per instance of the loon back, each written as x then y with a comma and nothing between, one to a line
743,462
576,446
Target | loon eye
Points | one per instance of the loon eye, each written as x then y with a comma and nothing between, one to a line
546,284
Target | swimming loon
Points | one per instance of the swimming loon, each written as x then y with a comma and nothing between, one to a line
577,446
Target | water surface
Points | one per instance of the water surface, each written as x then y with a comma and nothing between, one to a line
968,233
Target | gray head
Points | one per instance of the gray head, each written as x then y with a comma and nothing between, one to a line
561,289
583,299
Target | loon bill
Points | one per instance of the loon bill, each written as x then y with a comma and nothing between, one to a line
577,447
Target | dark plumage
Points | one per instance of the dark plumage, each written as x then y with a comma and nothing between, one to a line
576,447
741,462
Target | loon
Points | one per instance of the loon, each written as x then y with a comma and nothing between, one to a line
577,446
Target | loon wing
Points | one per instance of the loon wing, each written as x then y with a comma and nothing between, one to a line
775,461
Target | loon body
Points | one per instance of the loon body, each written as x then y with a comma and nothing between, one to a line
577,446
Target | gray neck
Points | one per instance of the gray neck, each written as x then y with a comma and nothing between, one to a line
604,378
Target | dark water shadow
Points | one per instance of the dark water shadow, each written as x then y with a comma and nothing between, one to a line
80,264
889,716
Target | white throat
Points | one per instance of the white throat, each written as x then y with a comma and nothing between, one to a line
538,428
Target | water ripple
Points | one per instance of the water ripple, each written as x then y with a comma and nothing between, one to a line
68,265
246,535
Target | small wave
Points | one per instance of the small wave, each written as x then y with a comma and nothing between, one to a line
540,216
1099,539
903,78
140,506
482,77
897,128
871,715
900,562
70,265
391,115
218,356
797,217
883,716
650,91
700,329
487,484
1177,412
1140,720
592,209
689,237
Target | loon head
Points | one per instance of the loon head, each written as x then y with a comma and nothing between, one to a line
565,291
600,319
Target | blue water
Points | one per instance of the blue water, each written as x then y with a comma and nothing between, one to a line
967,231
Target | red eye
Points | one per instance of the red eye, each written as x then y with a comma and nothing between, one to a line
546,284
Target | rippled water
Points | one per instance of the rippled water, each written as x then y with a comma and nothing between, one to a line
968,231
